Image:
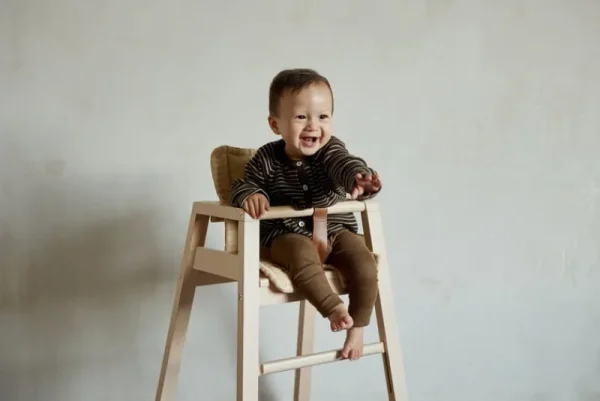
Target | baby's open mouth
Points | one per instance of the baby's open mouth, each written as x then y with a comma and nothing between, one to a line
309,140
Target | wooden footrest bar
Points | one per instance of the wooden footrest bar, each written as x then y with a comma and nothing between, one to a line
320,358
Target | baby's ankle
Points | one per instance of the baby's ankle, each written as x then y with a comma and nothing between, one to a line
340,308
340,318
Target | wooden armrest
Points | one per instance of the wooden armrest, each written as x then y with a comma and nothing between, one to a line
218,211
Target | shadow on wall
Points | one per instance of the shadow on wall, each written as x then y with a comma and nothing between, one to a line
86,290
69,294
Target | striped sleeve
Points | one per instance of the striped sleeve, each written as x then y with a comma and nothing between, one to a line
252,182
343,167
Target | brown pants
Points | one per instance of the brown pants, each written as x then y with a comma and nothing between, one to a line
298,256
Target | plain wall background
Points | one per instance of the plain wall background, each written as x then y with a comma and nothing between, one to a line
481,116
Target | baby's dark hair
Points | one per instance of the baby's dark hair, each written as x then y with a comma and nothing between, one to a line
295,80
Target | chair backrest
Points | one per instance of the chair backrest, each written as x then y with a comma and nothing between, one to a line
227,163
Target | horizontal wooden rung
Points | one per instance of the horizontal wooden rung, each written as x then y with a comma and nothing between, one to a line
320,358
218,263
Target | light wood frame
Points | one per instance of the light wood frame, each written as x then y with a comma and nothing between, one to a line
201,266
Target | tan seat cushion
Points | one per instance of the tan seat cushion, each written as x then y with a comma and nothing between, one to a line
282,282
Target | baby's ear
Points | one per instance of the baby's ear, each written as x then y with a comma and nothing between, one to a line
273,124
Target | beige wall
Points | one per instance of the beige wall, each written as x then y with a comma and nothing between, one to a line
486,115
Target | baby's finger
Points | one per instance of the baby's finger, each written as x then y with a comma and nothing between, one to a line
265,203
359,191
261,207
253,209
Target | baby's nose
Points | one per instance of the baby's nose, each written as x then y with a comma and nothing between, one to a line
313,124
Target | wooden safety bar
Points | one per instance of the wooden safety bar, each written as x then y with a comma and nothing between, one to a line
320,358
218,211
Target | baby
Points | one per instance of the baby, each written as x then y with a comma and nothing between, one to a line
309,167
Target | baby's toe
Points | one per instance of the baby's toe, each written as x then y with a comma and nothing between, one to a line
346,352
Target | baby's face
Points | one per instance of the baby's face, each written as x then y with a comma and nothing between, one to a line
304,120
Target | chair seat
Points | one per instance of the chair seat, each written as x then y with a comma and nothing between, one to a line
272,274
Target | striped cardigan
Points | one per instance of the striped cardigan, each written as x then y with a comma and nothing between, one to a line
320,180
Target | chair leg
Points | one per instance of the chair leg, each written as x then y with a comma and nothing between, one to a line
306,341
384,309
182,307
248,312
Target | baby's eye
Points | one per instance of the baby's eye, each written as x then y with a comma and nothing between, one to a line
323,116
301,116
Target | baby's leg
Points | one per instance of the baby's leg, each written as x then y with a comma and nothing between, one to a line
356,262
298,256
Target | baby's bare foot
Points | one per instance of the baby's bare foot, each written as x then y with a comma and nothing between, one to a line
353,347
340,318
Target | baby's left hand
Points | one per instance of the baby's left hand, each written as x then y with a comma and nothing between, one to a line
366,184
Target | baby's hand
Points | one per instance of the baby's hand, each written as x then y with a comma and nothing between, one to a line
256,205
366,184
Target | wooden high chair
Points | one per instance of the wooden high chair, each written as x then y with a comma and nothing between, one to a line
263,283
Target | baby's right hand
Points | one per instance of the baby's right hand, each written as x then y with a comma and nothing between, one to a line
256,205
